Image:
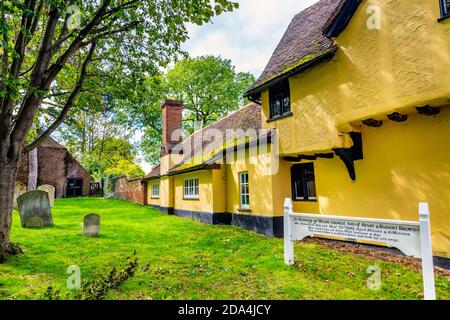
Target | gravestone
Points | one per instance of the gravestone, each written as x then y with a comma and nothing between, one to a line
92,225
34,209
51,193
19,189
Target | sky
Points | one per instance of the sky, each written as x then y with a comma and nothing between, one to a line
247,36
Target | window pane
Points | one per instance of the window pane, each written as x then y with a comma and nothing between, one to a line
286,105
447,6
298,186
310,181
311,187
276,108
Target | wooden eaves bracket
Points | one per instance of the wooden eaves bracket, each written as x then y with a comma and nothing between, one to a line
350,155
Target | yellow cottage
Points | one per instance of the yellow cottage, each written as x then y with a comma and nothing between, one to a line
351,116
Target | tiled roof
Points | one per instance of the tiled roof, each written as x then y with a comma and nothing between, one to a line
203,149
51,143
156,172
303,42
248,117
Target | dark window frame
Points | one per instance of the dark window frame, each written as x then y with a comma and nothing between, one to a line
445,11
301,175
280,100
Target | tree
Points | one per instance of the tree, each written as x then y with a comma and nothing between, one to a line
43,42
209,87
97,139
112,155
125,168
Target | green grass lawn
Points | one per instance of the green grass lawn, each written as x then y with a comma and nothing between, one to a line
183,259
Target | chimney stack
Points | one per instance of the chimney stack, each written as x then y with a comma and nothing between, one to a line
172,117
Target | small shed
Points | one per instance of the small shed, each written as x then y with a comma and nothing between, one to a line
57,167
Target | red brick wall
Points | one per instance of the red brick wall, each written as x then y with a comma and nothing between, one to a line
51,169
130,190
56,165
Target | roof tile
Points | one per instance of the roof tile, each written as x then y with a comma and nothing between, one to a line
303,41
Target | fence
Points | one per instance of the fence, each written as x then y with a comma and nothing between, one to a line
129,189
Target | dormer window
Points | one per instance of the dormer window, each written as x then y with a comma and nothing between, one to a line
280,100
445,9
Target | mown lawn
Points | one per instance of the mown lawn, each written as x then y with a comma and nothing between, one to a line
183,259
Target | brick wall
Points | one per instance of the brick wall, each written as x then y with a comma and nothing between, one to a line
130,190
56,165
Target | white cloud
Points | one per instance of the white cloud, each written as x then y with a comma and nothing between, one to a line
247,36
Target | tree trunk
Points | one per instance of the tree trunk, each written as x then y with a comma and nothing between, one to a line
8,171
32,169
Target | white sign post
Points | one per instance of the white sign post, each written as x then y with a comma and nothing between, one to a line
411,237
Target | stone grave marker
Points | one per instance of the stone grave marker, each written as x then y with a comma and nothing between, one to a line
92,225
51,193
19,189
34,209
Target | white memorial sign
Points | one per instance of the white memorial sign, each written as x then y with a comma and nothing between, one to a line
410,237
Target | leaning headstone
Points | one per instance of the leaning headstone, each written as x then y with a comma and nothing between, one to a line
34,209
92,225
19,189
51,193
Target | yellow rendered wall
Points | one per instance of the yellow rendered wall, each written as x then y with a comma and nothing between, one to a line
219,190
404,164
151,201
168,161
260,185
375,72
205,203
166,196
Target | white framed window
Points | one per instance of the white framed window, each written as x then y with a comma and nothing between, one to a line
191,190
155,191
244,190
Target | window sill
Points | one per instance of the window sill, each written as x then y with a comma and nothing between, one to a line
155,198
286,115
309,200
447,16
244,210
191,198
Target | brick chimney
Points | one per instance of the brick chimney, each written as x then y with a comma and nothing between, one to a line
172,117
